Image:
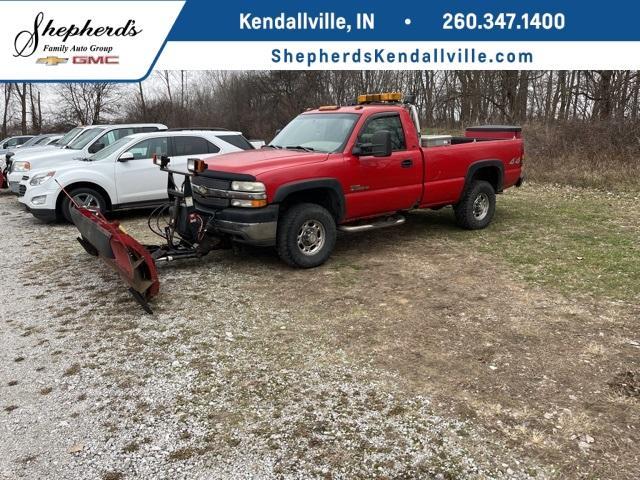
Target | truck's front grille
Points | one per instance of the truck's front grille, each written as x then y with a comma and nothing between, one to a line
204,193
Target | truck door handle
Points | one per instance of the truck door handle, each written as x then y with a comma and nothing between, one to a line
406,163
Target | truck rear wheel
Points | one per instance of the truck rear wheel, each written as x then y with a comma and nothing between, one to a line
477,206
306,235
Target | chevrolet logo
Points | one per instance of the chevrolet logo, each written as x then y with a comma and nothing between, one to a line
52,61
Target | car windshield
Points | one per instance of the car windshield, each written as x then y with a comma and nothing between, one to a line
321,132
84,139
106,151
70,135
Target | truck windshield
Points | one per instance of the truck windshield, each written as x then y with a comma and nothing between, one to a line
84,138
321,132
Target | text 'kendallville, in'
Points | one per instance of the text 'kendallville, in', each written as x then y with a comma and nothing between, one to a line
304,21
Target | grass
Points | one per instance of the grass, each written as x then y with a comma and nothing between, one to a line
581,242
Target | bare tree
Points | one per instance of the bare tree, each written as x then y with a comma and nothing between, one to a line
22,96
36,110
88,103
7,90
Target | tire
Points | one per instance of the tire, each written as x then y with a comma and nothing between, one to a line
476,208
82,194
312,250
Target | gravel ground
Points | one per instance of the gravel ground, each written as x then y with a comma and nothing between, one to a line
225,380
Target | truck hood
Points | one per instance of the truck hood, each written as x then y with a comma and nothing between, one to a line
255,162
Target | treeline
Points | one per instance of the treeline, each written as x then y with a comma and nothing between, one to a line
260,102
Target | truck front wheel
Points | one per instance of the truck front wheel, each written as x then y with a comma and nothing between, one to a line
306,235
477,206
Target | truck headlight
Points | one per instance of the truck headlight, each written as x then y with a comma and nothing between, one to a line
41,178
21,166
257,187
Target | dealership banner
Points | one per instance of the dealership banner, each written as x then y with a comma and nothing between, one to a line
125,40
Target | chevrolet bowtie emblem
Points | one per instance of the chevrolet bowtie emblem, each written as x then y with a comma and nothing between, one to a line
51,61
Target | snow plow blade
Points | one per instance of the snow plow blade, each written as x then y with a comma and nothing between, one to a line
128,257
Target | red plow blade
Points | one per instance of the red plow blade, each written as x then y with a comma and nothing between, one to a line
123,253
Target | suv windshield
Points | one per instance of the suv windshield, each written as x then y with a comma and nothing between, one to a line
105,152
70,135
84,139
321,132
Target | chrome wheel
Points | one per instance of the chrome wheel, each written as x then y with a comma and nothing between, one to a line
87,200
481,206
311,237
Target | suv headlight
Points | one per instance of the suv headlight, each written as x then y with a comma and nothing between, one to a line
21,166
254,187
41,178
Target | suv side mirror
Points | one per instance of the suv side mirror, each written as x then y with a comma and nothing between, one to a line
96,147
380,145
126,156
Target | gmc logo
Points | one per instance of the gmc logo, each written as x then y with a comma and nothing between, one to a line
89,60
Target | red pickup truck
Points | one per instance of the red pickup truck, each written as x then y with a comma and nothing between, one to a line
354,168
349,168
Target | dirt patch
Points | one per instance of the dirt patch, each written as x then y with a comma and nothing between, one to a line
627,384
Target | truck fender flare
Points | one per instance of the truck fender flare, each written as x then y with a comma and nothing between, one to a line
299,186
474,167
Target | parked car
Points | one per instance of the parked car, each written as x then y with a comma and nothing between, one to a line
120,176
90,141
13,143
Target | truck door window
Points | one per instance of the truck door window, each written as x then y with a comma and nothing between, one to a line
149,148
391,123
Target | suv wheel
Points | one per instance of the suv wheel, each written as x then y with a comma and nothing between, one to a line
306,235
85,197
477,206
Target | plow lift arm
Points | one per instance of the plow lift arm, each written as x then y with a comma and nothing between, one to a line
136,262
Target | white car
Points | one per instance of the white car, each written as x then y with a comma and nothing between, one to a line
90,141
122,175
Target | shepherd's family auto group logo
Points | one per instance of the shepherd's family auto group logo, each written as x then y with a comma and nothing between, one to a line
26,42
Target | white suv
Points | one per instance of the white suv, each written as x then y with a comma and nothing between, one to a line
90,141
122,175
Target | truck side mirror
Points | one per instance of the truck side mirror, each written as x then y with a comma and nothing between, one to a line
379,146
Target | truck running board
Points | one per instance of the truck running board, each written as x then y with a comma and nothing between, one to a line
390,221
